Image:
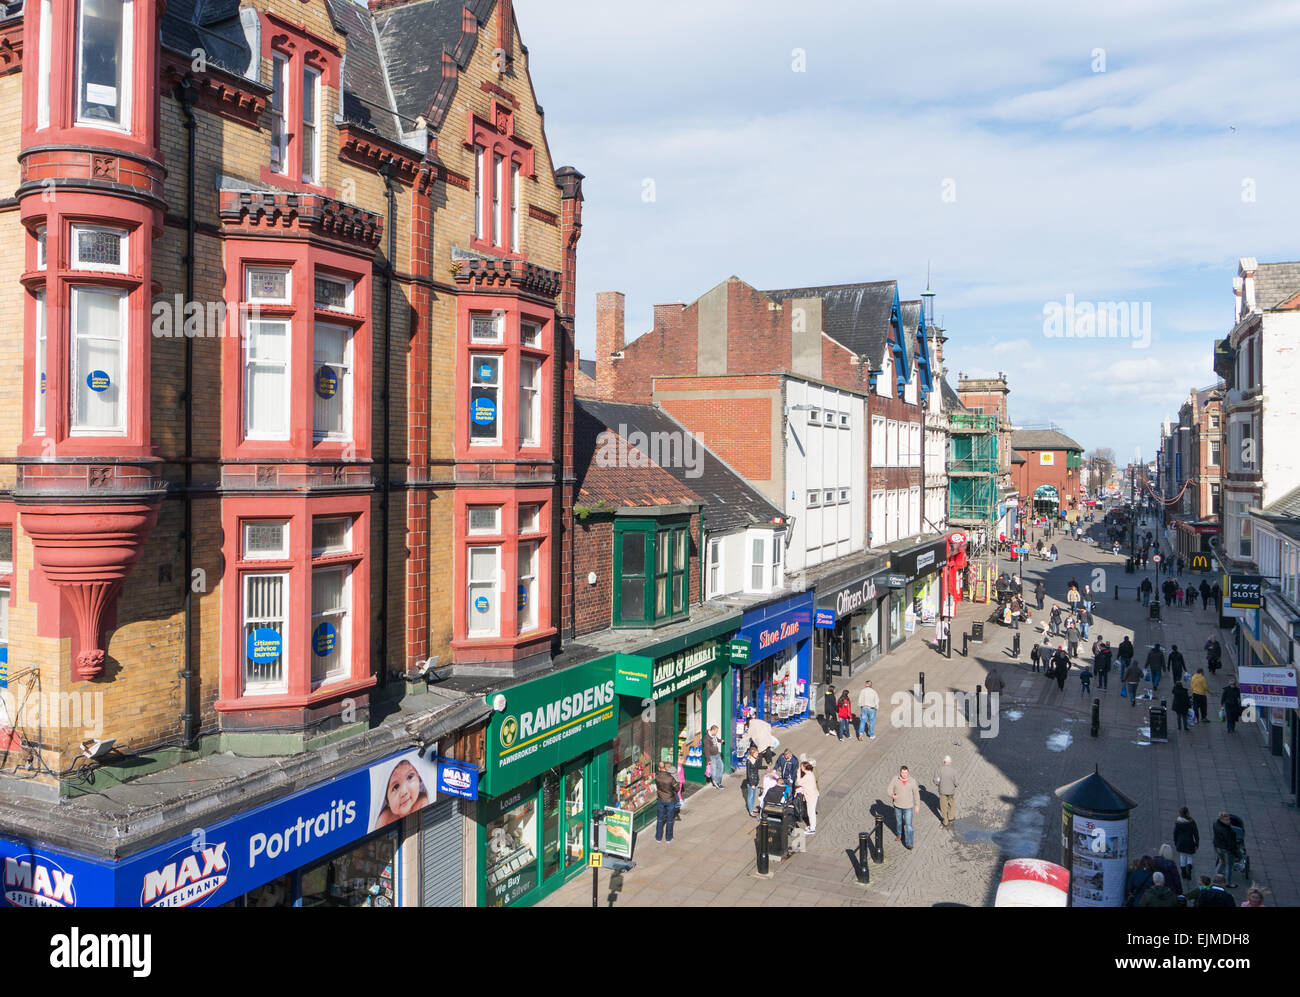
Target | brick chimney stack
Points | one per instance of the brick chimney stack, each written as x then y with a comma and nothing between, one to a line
609,338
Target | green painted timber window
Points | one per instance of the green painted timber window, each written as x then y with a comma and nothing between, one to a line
651,571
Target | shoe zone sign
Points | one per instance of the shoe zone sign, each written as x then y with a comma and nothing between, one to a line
215,864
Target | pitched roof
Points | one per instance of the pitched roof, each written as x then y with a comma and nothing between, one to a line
1286,506
1017,457
854,315
730,502
414,36
1042,439
1276,283
951,400
641,483
911,323
366,100
588,367
210,25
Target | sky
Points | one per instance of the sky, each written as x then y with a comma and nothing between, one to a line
1033,160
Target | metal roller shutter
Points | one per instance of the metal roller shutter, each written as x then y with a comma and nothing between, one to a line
441,860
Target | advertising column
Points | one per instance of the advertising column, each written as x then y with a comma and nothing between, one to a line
1094,841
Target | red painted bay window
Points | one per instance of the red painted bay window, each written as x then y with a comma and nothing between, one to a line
503,567
295,614
505,349
297,354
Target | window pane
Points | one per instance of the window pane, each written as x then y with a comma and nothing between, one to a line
267,382
633,598
332,293
101,63
661,553
661,596
329,624
309,100
633,554
268,285
329,536
98,394
265,539
485,329
496,200
484,396
681,550
98,249
264,606
526,594
529,402
39,415
530,334
6,550
529,518
479,181
332,382
483,518
483,595
279,133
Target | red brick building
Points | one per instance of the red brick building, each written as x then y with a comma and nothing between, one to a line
1048,480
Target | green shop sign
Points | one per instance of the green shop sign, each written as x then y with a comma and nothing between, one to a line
632,675
548,721
738,651
680,671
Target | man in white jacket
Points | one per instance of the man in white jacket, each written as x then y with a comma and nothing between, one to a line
868,703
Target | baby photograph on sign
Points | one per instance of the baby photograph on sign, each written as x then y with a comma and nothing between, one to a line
400,787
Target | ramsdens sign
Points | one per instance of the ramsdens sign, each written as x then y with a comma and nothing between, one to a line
548,721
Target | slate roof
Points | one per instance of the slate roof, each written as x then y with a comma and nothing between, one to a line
1017,457
414,36
730,502
211,25
911,322
363,72
588,367
1288,505
1042,439
854,315
1275,283
627,487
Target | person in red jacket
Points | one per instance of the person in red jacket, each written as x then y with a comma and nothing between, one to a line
845,713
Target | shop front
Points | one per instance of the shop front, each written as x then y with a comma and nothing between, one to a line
548,745
673,692
848,626
774,683
353,841
922,568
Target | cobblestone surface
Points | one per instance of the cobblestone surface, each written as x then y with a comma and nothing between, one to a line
1005,802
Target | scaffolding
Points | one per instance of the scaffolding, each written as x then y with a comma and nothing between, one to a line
973,492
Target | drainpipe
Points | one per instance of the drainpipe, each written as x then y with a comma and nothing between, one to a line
389,172
188,96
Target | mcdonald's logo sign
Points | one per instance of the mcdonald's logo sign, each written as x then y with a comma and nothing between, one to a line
1200,562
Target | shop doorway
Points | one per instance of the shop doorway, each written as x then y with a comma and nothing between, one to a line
835,650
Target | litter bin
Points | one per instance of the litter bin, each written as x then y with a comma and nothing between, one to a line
778,822
1155,609
1159,718
1128,565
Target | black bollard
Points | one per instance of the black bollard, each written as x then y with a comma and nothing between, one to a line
864,857
1096,717
965,704
965,645
923,685
879,855
1117,593
760,844
1015,645
947,644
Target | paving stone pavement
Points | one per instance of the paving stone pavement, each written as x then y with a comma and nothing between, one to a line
1005,802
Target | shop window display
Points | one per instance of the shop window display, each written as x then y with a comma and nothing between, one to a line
510,841
574,852
360,877
634,766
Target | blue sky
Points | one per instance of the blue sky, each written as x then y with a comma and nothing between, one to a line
1119,153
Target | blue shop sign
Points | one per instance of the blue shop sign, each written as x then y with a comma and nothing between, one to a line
457,779
770,628
825,619
212,865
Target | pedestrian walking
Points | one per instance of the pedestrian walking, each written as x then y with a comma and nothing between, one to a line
868,703
830,712
1054,619
1186,840
1200,690
760,734
1166,866
1060,667
1140,873
1132,676
1040,592
1125,654
753,779
1212,894
945,781
1035,654
1182,701
1225,848
714,746
1085,680
1230,703
806,786
1216,594
1155,666
666,787
1072,638
1072,595
1053,552
993,683
1102,664
1177,666
1213,654
905,796
845,712
1205,595
1145,588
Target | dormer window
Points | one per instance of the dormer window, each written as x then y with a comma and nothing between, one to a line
104,63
